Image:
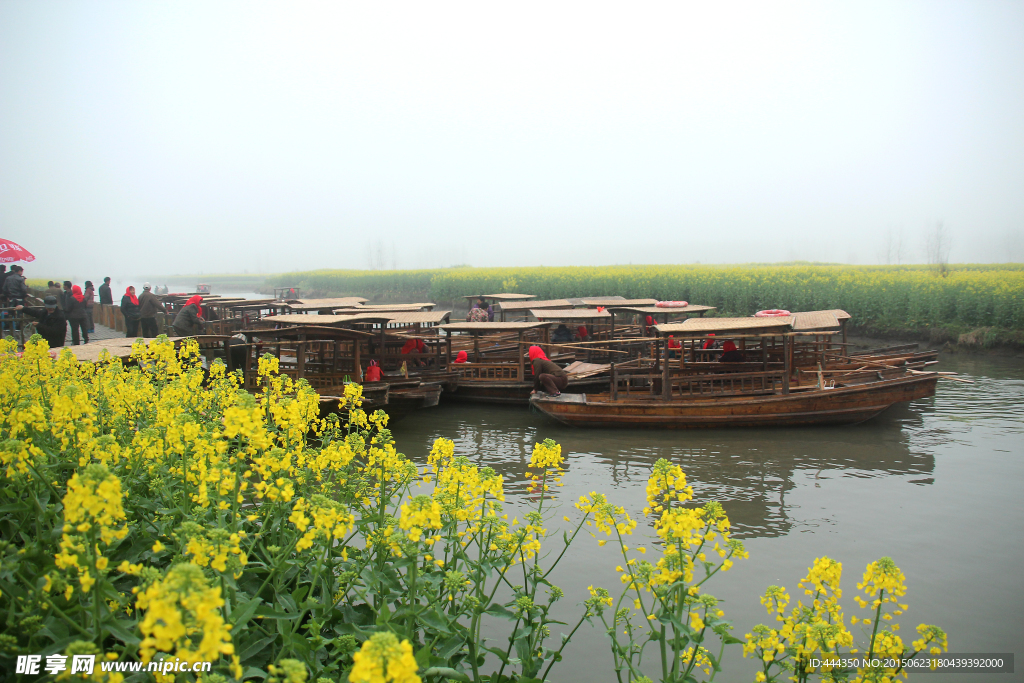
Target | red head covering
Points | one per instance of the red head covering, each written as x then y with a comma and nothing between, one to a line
672,343
130,293
462,357
582,331
416,345
197,300
537,352
709,342
650,320
728,346
76,292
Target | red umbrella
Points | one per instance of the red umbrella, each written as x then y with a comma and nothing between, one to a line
12,251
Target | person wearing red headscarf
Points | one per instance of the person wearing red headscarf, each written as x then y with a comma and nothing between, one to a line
710,343
372,372
130,312
547,374
415,346
461,358
648,324
582,332
673,347
76,314
730,354
189,320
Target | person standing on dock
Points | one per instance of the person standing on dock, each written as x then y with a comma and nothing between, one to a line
547,374
149,306
51,323
106,296
189,320
53,290
130,312
90,297
74,311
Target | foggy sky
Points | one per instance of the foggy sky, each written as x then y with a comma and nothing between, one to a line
156,138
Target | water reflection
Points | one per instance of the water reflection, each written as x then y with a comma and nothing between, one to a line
749,471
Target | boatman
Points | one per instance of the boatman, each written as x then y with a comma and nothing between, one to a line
51,323
545,373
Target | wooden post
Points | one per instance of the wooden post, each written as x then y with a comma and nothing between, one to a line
300,357
448,338
476,348
356,353
666,385
522,363
613,392
785,363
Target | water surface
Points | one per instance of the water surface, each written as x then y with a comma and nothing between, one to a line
935,484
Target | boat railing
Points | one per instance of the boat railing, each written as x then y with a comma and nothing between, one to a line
733,383
487,371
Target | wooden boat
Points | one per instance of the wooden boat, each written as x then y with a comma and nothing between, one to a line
765,407
677,394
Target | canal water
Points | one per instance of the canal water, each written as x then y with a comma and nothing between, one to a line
935,484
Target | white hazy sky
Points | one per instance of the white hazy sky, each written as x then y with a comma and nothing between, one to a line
148,138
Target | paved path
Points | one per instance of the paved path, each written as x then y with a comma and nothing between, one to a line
101,332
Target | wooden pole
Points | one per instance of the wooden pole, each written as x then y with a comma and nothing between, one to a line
666,385
522,364
613,391
785,364
356,353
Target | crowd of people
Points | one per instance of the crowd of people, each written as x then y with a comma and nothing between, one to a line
69,305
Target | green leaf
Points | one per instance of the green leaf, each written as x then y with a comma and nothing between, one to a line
447,673
731,640
449,647
496,610
256,647
435,621
241,615
383,615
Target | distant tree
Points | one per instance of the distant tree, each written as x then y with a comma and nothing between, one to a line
893,251
937,243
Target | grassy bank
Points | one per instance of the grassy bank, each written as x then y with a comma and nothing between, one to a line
968,297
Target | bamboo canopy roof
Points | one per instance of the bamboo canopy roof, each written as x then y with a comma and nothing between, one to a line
307,319
501,297
383,308
571,314
702,326
607,301
651,310
419,317
815,320
120,347
528,305
312,331
482,328
329,303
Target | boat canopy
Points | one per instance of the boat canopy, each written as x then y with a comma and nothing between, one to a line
704,326
484,328
651,310
806,321
607,301
528,305
571,314
501,297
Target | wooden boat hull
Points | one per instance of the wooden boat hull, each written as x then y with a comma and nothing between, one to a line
843,405
515,393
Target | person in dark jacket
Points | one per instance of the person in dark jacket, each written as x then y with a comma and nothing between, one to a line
90,299
51,325
545,373
189,320
130,312
149,306
562,335
54,290
106,296
3,277
74,311
15,288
